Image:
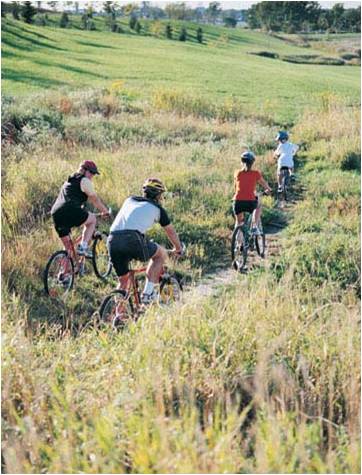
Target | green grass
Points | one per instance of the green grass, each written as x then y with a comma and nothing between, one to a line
42,58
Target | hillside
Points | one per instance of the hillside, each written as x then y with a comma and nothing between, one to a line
53,58
249,373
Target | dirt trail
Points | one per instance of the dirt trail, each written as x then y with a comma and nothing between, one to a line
211,283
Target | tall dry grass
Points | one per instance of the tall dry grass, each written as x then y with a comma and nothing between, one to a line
262,377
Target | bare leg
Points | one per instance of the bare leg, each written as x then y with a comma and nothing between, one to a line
89,228
155,265
68,246
257,214
279,178
239,219
123,282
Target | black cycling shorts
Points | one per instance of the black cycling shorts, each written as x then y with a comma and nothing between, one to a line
68,217
240,206
123,246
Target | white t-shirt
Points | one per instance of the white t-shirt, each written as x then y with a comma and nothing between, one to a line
139,214
87,186
286,152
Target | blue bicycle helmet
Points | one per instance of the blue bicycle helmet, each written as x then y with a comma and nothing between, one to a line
247,157
282,135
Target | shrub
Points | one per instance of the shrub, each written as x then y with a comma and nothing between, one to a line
39,20
168,31
64,20
199,36
183,34
138,27
132,22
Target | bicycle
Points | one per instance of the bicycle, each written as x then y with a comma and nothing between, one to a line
63,266
121,306
245,239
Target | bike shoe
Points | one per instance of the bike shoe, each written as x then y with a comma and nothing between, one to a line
148,299
280,189
64,279
84,252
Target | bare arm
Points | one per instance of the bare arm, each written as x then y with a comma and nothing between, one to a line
173,237
98,203
264,184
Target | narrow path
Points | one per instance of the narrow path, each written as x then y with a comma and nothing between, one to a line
211,283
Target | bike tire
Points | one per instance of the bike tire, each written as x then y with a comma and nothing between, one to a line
170,290
54,285
285,184
108,310
260,243
239,250
100,258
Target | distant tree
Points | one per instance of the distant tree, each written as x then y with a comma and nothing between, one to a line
323,22
28,12
40,20
230,22
199,35
337,12
183,34
132,22
213,11
138,27
168,31
64,20
109,9
15,10
177,11
76,6
3,13
38,6
53,5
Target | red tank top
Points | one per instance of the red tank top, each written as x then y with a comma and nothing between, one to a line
245,184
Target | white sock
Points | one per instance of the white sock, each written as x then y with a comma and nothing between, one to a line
83,245
149,286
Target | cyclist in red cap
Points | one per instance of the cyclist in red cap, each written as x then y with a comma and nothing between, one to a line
68,210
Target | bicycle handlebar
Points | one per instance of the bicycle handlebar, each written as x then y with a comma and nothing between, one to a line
104,214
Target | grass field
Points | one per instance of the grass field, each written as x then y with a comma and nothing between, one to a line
261,377
52,58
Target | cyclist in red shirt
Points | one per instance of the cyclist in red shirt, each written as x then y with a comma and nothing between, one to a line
245,198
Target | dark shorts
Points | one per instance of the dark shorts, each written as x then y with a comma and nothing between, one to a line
244,206
67,217
123,246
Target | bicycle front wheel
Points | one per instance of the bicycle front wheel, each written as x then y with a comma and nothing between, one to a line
117,310
170,290
239,248
100,258
59,274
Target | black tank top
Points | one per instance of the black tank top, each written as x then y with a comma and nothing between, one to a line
70,193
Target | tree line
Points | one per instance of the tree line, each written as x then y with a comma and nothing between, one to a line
294,17
288,17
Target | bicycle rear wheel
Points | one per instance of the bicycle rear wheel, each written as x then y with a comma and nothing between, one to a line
59,274
100,258
260,242
239,248
170,290
117,310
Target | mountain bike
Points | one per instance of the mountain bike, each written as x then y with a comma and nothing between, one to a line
122,306
245,239
63,266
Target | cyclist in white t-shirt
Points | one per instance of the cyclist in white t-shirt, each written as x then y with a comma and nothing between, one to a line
285,153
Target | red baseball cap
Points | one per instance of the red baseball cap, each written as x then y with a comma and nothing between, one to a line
90,166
